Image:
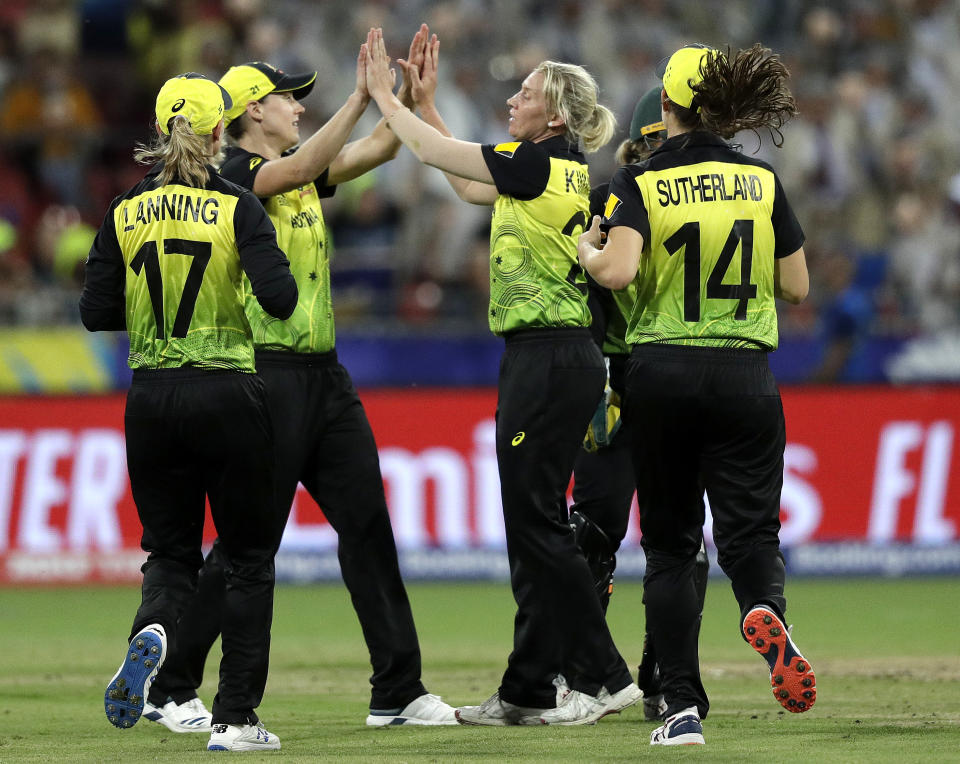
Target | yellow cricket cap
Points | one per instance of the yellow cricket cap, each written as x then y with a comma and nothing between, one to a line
200,100
253,81
683,70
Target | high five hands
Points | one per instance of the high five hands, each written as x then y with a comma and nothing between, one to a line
419,68
380,77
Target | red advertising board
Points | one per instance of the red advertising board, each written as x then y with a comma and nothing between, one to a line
874,465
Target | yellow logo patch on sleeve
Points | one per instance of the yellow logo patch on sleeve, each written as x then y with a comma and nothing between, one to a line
613,201
254,161
507,149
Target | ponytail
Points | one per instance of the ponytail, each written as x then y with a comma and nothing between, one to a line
184,154
571,92
599,129
746,91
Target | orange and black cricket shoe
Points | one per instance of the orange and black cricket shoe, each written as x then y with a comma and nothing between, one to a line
794,684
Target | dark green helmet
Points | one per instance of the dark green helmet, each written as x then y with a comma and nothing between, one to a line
647,120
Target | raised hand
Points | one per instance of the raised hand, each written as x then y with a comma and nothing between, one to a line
361,85
380,77
425,86
413,64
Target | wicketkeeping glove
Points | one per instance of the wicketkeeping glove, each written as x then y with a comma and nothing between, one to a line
605,422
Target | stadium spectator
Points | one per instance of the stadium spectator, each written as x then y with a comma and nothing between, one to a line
53,121
882,67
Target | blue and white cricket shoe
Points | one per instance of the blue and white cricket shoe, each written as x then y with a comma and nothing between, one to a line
125,695
683,728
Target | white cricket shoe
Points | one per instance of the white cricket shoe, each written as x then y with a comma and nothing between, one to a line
242,737
560,682
577,708
189,716
494,712
621,699
426,711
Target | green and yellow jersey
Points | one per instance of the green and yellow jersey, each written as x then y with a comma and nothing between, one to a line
168,265
713,221
535,279
302,234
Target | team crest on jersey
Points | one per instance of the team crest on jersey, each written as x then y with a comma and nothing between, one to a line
254,161
507,149
613,201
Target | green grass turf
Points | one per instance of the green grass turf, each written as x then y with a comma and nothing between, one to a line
886,653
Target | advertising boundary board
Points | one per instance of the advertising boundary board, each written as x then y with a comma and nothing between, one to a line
871,486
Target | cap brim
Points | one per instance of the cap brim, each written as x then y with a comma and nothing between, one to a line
661,68
227,100
299,85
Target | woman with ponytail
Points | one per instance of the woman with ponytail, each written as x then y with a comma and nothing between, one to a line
709,240
551,374
167,266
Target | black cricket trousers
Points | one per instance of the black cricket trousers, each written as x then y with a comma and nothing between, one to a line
324,440
704,419
193,434
550,383
603,482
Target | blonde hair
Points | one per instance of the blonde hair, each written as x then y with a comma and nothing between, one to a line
571,92
184,154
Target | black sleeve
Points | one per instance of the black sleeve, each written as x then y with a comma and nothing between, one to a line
264,262
520,169
624,205
324,191
103,302
242,169
787,232
598,197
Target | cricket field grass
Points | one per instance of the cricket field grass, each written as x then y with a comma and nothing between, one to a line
886,653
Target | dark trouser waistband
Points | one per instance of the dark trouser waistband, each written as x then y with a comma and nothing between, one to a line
288,357
547,333
180,373
701,353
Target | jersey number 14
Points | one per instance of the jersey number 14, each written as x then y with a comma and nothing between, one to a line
687,238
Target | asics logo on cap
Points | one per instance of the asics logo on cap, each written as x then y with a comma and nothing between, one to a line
178,105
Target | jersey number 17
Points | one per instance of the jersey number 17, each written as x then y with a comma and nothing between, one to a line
147,260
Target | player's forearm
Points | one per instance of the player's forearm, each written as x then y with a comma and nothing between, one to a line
615,265
604,269
468,190
432,147
360,156
318,152
363,155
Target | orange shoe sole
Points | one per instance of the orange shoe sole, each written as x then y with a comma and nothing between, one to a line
791,675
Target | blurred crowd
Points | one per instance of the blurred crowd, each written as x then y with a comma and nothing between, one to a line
871,164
